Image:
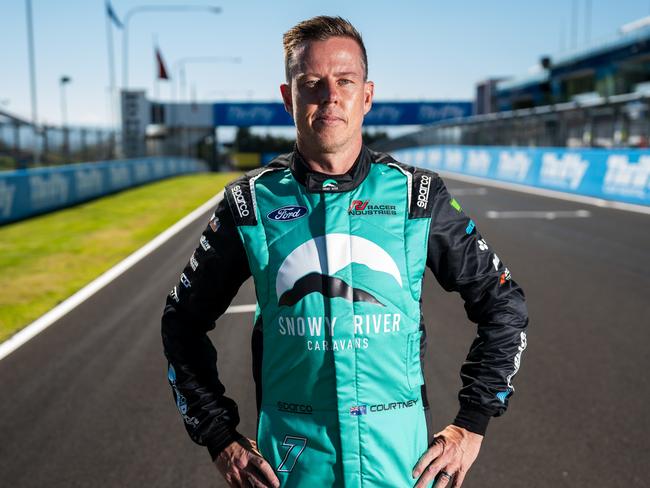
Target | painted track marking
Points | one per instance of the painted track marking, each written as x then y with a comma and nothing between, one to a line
241,308
537,214
467,191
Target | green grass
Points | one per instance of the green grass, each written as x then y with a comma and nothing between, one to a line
46,259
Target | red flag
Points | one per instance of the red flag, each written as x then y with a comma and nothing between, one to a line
162,70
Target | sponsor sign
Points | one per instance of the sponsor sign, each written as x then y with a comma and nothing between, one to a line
330,185
31,192
186,281
242,114
382,407
297,408
193,262
364,207
564,171
204,243
287,212
240,201
614,174
625,177
423,191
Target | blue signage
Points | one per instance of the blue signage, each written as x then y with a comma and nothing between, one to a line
25,193
248,114
382,113
613,174
415,113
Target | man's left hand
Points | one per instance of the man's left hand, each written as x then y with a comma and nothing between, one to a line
452,453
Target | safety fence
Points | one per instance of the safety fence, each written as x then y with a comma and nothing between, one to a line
25,193
21,144
619,175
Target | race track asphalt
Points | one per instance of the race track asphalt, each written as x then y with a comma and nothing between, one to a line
86,403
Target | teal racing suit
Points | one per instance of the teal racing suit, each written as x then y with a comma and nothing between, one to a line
338,337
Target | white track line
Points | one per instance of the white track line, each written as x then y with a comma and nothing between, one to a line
537,214
598,202
42,323
241,308
467,191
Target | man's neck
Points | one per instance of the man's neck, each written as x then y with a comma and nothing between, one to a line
337,163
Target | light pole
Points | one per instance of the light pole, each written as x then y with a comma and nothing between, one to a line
32,79
151,8
63,81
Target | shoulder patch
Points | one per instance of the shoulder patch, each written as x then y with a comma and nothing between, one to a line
240,193
420,183
421,193
240,200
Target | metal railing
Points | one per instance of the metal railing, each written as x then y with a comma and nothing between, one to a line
24,146
621,121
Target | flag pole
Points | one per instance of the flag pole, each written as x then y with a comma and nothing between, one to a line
111,78
156,79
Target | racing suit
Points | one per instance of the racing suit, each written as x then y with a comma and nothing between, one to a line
338,335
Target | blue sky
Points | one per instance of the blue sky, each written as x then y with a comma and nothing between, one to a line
417,49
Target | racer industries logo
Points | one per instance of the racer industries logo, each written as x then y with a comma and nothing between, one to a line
362,207
310,268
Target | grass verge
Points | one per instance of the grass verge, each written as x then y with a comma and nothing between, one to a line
46,259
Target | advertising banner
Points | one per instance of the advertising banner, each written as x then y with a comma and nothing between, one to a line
612,174
25,193
248,114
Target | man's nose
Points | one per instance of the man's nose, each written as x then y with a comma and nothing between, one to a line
329,91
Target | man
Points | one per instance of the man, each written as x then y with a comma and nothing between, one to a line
336,238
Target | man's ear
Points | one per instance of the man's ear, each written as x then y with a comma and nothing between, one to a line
285,90
368,93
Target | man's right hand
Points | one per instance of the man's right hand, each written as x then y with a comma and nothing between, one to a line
243,466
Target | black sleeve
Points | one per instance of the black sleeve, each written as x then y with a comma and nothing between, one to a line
462,261
207,285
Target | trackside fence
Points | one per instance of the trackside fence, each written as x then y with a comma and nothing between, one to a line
28,192
612,174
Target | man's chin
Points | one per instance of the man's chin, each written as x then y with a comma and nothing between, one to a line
328,142
330,145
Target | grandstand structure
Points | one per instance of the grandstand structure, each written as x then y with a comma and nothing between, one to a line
594,97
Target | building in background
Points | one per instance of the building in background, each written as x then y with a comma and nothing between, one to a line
594,97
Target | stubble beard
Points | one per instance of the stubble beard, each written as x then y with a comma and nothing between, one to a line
328,143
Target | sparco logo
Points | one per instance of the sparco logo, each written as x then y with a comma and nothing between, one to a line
423,191
294,408
238,195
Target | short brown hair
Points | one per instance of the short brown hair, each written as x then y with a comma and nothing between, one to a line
319,28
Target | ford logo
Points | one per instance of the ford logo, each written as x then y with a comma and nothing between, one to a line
288,212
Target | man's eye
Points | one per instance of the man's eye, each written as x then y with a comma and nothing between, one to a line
311,83
345,81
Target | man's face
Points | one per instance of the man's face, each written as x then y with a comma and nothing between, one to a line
327,94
